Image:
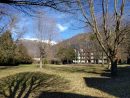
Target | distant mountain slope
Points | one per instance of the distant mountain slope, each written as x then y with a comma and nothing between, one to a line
31,46
75,40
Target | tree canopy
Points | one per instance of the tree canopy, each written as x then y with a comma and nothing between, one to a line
66,55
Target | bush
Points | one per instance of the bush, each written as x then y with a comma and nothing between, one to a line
45,61
55,61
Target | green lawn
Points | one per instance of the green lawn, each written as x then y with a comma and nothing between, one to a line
63,81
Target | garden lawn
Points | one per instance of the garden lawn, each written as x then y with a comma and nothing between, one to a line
71,81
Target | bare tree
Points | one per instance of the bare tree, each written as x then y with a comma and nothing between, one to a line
126,46
32,6
46,30
26,5
109,35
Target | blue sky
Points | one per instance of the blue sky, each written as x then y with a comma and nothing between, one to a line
65,25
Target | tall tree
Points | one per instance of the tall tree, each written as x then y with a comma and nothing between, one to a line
110,31
12,53
97,50
46,30
126,45
6,48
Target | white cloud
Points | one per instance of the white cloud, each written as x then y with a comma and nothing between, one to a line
35,39
61,27
52,42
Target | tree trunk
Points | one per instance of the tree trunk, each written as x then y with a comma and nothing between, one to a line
114,68
102,59
41,63
109,63
128,60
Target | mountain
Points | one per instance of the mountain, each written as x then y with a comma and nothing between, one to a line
33,50
37,40
33,44
75,41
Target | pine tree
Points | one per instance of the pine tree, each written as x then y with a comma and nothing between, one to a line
10,53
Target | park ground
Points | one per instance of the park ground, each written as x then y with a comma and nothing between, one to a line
64,81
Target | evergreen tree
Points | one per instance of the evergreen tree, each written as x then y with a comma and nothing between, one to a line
7,48
10,53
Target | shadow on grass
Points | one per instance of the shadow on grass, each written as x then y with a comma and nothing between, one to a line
119,87
74,69
22,85
62,95
8,67
104,73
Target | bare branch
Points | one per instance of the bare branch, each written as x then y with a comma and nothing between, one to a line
84,13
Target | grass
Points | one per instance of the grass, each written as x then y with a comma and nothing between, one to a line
67,81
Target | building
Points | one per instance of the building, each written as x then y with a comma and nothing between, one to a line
89,57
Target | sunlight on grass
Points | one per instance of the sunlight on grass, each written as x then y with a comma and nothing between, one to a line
30,84
88,81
